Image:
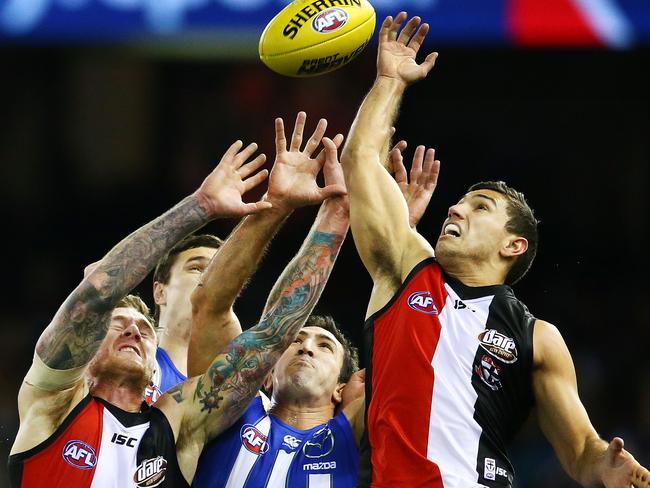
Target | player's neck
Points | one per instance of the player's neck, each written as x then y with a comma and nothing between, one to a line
471,273
123,395
174,339
301,417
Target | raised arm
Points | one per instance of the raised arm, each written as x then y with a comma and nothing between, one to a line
587,458
77,329
203,407
387,244
292,184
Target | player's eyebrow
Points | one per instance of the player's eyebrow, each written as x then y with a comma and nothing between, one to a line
482,195
197,259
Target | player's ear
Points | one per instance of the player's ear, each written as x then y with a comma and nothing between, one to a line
268,383
514,246
337,394
159,293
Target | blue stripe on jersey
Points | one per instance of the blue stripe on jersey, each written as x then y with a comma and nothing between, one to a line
261,451
169,375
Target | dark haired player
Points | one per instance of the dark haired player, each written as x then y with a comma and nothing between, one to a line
477,360
82,419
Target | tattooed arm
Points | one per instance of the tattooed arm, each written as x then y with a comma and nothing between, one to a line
292,184
203,407
77,329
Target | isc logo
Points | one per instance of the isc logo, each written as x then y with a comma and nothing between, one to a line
80,455
329,20
253,439
422,301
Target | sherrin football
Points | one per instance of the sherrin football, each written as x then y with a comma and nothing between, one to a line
312,37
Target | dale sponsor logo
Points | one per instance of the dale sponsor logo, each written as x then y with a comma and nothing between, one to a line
253,439
329,20
79,454
498,345
421,301
151,472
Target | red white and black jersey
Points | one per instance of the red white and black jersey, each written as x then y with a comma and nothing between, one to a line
101,446
448,384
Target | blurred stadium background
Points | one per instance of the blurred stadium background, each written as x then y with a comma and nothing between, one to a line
113,110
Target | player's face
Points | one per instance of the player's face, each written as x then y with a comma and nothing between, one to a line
309,369
129,348
174,297
474,228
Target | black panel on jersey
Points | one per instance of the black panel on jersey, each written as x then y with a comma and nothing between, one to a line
504,388
159,441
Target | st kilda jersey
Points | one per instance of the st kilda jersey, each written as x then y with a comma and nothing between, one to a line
261,451
101,446
448,384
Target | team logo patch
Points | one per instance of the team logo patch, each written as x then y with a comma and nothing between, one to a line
329,20
79,454
291,442
320,445
489,371
253,439
150,472
421,301
499,346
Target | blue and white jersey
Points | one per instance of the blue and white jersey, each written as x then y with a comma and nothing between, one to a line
165,376
261,451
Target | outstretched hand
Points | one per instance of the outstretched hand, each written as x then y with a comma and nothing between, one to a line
621,470
423,178
292,183
398,50
221,192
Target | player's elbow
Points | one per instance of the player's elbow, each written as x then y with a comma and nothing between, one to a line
354,155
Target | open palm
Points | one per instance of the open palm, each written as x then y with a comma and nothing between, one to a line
621,469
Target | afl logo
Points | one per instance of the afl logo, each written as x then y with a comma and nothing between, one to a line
79,454
421,301
329,20
253,439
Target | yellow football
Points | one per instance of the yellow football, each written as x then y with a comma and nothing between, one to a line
312,37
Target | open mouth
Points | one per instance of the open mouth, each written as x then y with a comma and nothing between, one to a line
452,230
127,348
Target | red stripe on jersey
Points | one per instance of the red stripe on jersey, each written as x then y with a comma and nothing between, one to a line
70,461
404,342
535,23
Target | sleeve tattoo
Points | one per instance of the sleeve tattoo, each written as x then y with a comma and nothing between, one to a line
236,375
78,328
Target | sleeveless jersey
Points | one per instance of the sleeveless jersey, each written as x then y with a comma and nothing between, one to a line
101,446
261,451
165,376
448,384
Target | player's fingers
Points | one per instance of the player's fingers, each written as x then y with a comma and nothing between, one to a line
298,129
429,62
316,137
408,30
253,166
232,151
280,137
395,26
338,140
385,29
398,166
401,145
246,153
255,180
418,38
416,168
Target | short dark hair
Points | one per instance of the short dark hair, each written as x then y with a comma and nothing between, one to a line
522,222
163,268
351,355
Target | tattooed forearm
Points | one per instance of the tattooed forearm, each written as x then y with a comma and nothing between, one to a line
79,326
237,374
